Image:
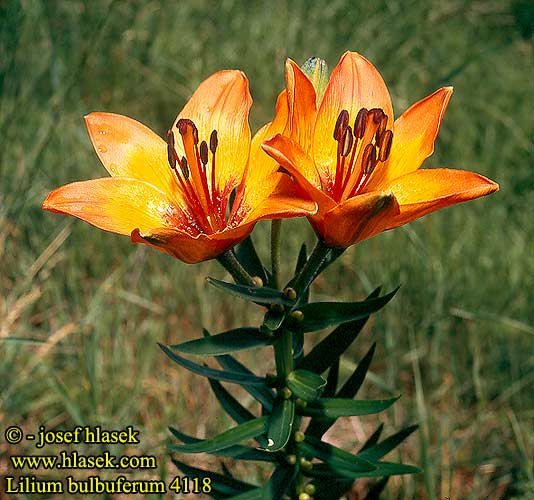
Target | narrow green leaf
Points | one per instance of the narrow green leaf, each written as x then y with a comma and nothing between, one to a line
305,385
379,450
336,407
321,315
279,483
335,457
222,485
273,319
280,424
331,380
332,489
231,437
373,438
377,489
256,494
263,394
298,345
247,256
355,381
319,425
335,344
260,295
382,469
237,452
206,371
230,404
223,343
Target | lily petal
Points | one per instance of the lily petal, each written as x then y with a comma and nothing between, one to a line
427,190
414,134
288,199
258,181
302,105
128,148
222,103
188,248
116,204
354,84
356,219
291,156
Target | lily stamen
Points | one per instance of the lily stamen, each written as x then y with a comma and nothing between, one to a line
369,144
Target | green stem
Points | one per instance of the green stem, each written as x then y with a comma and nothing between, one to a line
283,353
229,261
276,226
309,272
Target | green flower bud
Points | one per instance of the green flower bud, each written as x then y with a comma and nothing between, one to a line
290,293
286,393
256,281
299,437
309,488
316,70
297,315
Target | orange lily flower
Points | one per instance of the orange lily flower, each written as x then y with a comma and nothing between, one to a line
178,195
361,166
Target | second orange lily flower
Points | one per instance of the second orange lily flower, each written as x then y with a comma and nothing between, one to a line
196,194
357,163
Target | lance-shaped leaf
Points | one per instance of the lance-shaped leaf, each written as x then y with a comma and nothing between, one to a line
220,485
301,261
305,385
321,315
332,489
376,490
334,456
230,404
277,486
382,469
273,319
336,407
335,344
318,426
280,424
355,381
237,452
373,438
206,371
377,451
260,295
231,437
247,256
223,343
263,394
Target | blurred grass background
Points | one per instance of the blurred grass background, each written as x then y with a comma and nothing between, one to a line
81,310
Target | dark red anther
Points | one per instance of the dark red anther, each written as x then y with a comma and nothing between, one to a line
359,123
184,167
377,114
369,159
183,124
214,141
381,128
203,152
171,154
348,140
341,125
385,145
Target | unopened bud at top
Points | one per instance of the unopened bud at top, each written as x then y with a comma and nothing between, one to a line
316,70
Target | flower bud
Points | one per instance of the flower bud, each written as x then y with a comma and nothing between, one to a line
316,70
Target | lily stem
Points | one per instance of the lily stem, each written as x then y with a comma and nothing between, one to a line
320,258
283,353
276,226
229,261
